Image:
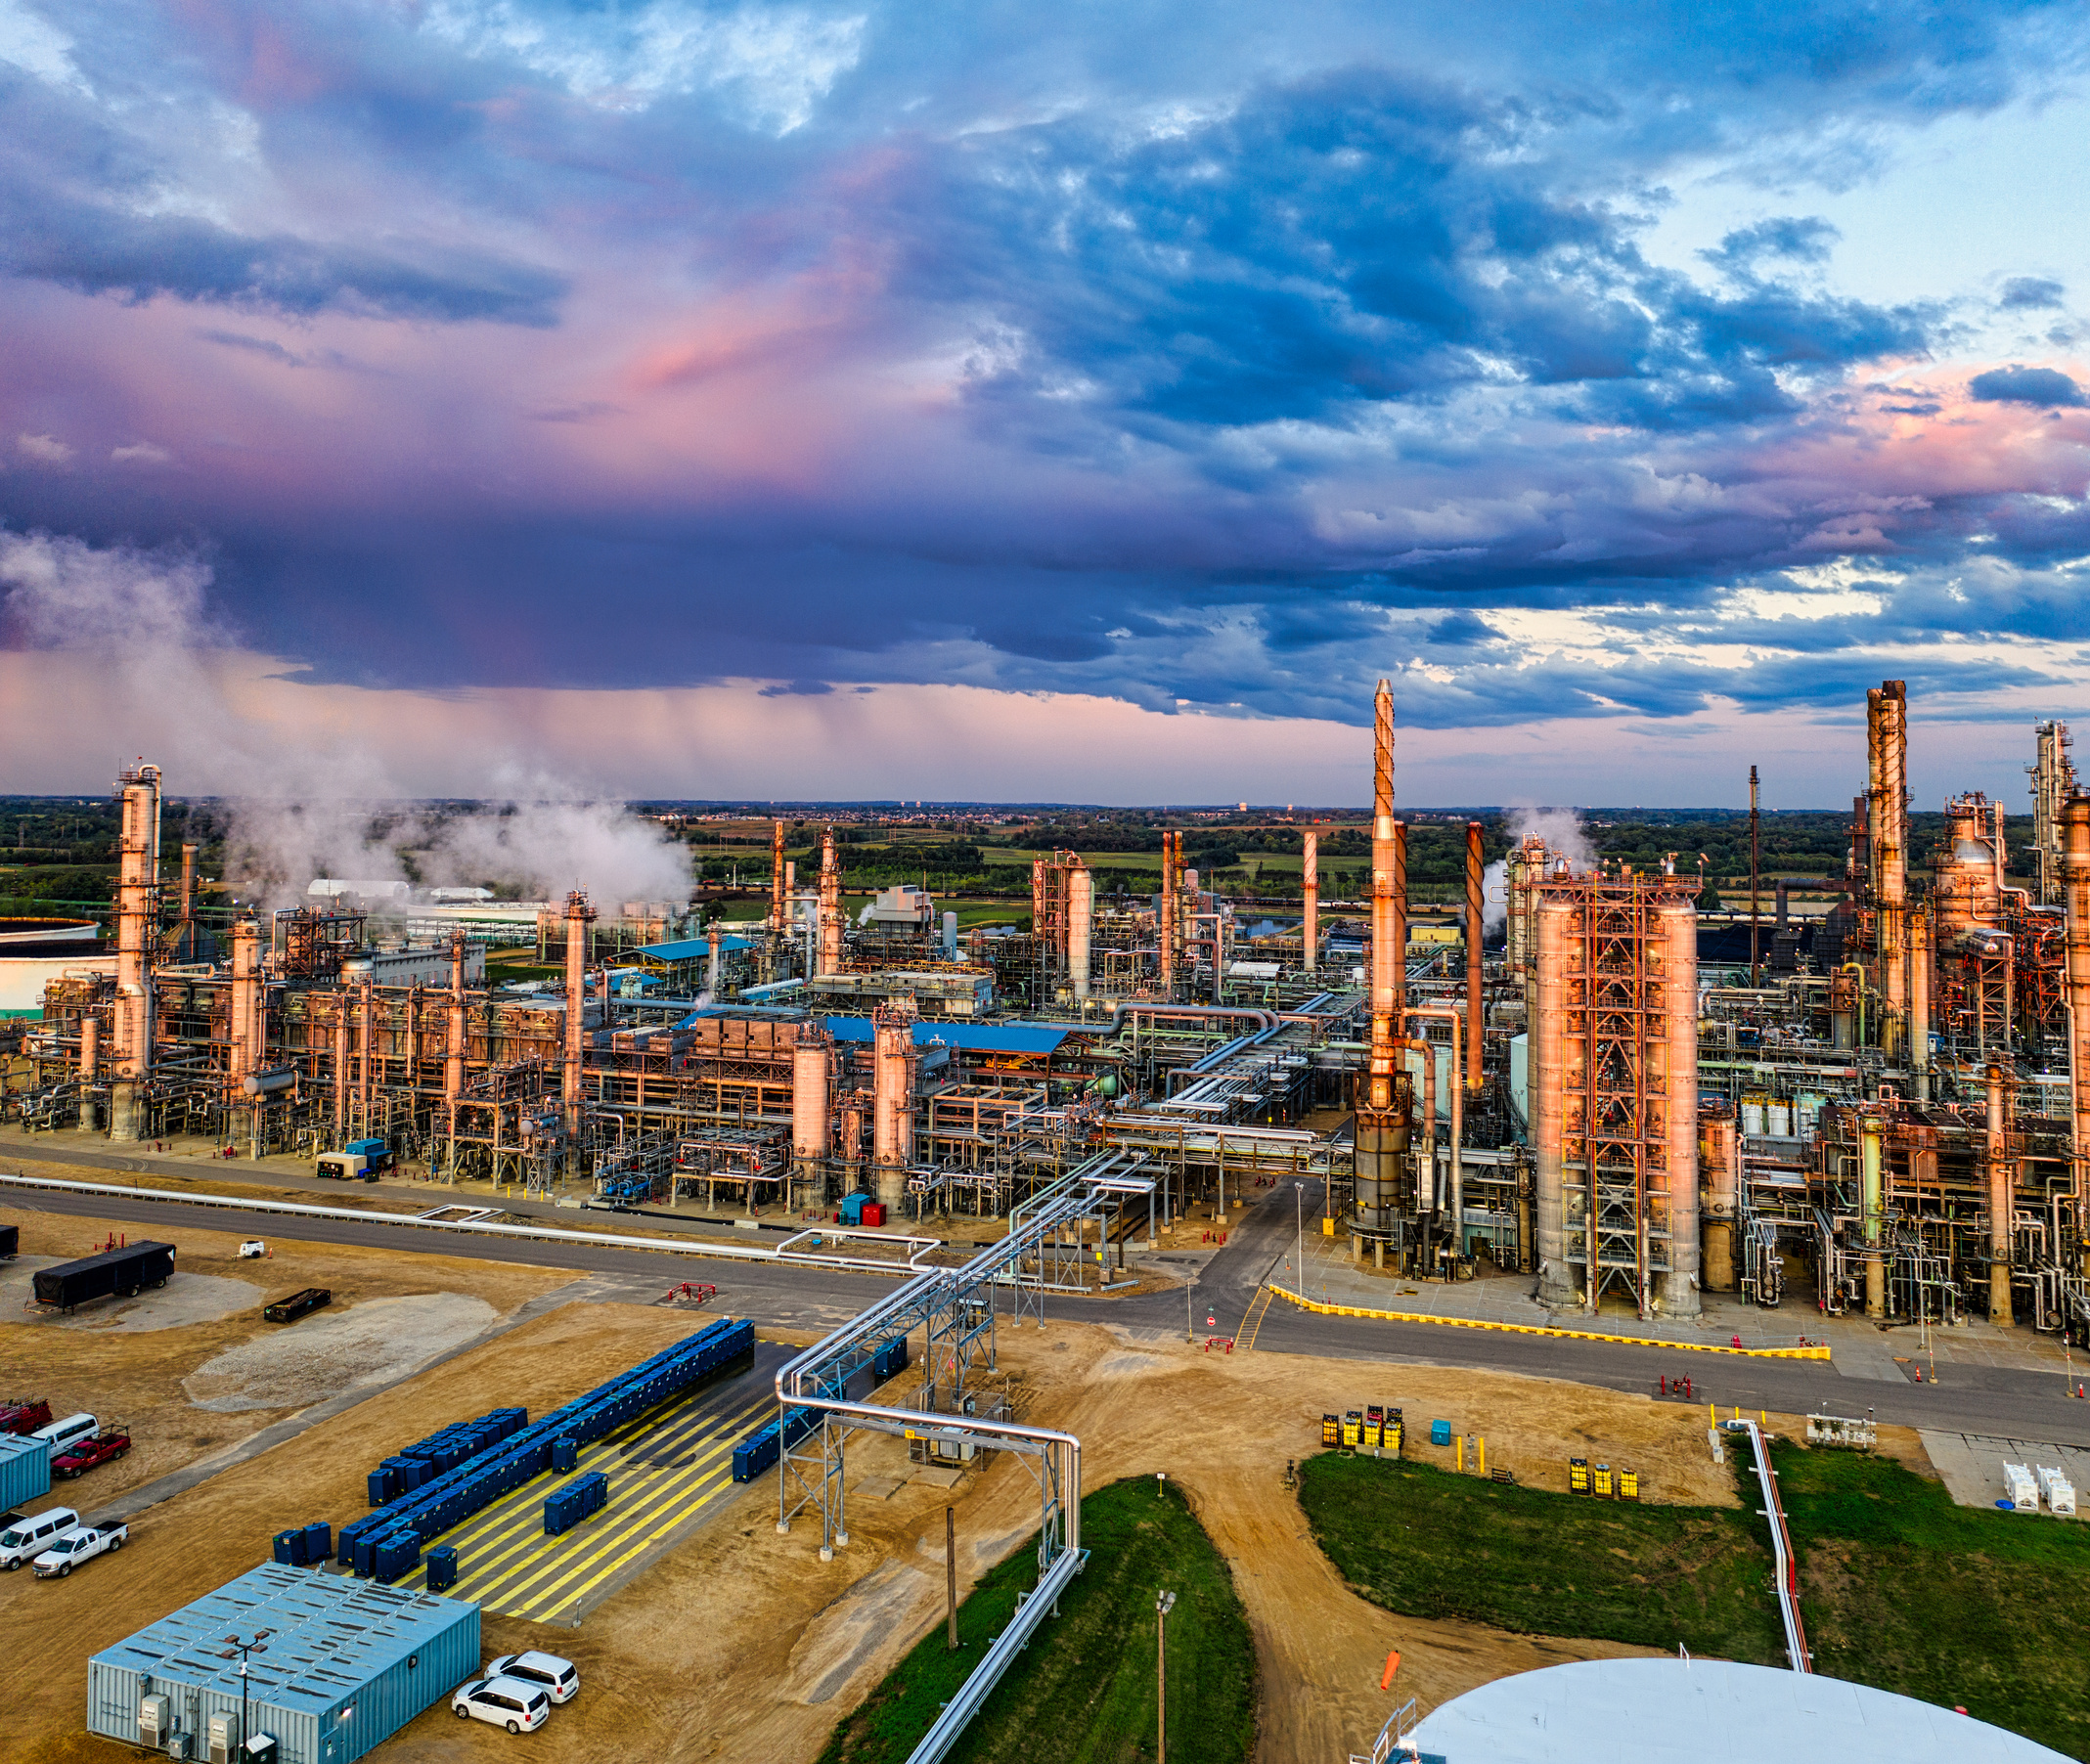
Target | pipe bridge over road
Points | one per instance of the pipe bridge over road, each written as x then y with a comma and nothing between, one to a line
955,1310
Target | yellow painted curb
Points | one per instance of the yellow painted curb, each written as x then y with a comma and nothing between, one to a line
1538,1329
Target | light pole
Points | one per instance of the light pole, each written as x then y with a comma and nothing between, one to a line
1164,1603
1299,1220
245,1648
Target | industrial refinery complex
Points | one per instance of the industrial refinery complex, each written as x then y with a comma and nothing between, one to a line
1573,1103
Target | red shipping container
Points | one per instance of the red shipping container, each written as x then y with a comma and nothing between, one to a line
875,1214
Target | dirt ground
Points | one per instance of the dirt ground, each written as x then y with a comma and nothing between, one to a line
153,1378
741,1644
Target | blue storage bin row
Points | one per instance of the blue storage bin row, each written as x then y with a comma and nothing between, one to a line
393,1555
565,1508
769,1441
453,1495
421,1463
303,1546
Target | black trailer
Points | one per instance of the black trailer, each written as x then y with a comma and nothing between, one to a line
119,1273
9,1242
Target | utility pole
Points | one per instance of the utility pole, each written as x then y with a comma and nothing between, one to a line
1299,1219
1755,971
1164,1603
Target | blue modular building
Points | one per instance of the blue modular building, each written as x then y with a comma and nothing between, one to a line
345,1665
24,1469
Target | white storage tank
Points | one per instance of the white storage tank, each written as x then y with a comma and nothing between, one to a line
2019,1487
2059,1492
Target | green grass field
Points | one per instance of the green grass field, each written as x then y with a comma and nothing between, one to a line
1430,1543
1902,1589
1084,1690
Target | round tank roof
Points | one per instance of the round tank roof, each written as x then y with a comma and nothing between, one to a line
1666,1711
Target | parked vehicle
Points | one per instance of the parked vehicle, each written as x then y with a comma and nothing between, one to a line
81,1543
27,1538
62,1433
24,1415
123,1272
510,1702
297,1305
9,1242
82,1455
252,1248
559,1679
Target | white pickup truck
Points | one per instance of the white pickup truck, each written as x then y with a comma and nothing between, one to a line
76,1546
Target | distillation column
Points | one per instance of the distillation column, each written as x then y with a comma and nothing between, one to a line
1475,920
1310,877
453,1048
2000,1184
893,1099
1890,856
247,1053
1555,924
831,906
137,901
1719,1165
1384,1182
1677,921
812,1109
1081,923
1171,902
579,917
779,911
2076,883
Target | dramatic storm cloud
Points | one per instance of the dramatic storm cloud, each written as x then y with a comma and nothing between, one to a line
1576,366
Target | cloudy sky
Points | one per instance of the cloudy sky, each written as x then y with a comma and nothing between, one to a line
1075,401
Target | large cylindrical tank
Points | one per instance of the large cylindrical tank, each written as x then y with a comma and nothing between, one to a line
1964,892
812,1112
893,1101
1555,920
1385,1188
1720,1169
1677,948
1081,921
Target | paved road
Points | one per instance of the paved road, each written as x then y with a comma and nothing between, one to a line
1976,1400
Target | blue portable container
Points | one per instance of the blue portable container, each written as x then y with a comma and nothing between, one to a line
319,1541
442,1568
24,1469
395,1556
566,1454
365,1560
381,1488
288,1549
1439,1433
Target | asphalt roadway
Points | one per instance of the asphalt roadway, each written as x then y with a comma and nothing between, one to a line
2003,1401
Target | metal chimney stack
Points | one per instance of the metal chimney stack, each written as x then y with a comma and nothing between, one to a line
830,904
1475,918
1310,873
579,917
136,904
1388,957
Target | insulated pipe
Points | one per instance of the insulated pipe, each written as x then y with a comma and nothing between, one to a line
2075,887
831,906
1165,931
1919,1000
187,942
1310,873
1081,922
579,917
1386,953
1475,920
1450,1014
1999,1199
1870,1174
779,914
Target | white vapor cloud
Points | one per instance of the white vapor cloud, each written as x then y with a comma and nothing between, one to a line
308,801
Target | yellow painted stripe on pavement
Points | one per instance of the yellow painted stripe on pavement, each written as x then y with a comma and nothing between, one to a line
1816,1352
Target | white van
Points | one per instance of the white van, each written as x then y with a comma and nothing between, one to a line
30,1537
62,1433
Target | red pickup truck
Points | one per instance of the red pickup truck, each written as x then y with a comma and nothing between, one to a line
82,1455
25,1417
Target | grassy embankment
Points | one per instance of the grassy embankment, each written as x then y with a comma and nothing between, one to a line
1085,1687
1900,1587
